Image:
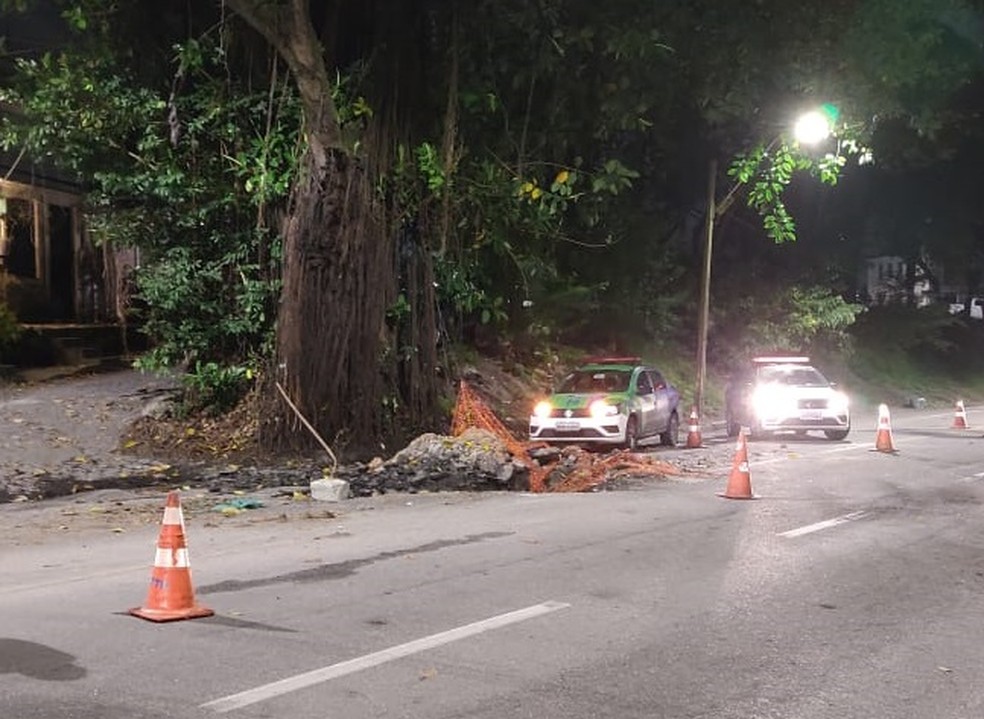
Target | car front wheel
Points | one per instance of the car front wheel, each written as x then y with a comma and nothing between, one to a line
836,434
632,434
670,437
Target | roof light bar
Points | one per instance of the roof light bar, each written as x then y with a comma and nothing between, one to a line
780,360
612,360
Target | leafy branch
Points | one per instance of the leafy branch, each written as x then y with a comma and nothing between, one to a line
767,171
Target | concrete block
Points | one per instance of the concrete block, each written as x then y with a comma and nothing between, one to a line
330,490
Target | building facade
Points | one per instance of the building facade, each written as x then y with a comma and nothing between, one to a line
50,270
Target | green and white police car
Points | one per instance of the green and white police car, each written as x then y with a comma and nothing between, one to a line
609,401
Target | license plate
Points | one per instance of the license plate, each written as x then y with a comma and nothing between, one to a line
568,425
811,414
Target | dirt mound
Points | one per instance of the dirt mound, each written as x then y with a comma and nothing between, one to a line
163,433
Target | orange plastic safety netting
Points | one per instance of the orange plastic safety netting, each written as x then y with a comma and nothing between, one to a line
576,470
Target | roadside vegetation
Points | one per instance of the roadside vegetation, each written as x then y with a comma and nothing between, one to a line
341,209
893,354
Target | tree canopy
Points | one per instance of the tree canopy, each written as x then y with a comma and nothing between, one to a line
330,197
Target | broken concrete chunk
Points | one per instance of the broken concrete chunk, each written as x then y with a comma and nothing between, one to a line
330,490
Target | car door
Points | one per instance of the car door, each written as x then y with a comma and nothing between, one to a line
661,395
647,403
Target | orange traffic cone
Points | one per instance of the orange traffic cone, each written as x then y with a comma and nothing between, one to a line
883,440
170,596
740,481
960,416
693,431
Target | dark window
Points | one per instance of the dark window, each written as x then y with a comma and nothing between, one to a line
20,237
582,381
62,260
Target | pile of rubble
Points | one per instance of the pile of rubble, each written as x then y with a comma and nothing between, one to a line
474,461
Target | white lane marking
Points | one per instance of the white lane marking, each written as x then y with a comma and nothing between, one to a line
19,402
826,524
799,455
318,676
972,478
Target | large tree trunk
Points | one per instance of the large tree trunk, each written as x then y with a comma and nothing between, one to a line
340,275
337,268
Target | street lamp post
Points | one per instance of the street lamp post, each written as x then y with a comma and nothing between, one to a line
809,129
705,288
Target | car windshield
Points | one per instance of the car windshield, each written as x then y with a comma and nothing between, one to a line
607,380
793,376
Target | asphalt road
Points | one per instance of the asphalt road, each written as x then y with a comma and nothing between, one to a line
851,588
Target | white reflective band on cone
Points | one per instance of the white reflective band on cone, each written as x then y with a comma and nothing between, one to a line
172,515
169,558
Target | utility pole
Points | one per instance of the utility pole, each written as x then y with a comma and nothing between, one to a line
813,127
705,288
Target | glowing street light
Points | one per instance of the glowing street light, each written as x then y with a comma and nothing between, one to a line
810,128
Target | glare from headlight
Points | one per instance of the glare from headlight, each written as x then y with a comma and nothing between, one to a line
600,408
543,409
771,401
839,402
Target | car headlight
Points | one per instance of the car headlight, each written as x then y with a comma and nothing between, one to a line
773,402
839,402
600,409
543,409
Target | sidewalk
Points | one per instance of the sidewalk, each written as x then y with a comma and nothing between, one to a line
61,427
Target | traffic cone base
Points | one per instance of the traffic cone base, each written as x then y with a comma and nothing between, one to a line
740,480
171,596
161,615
